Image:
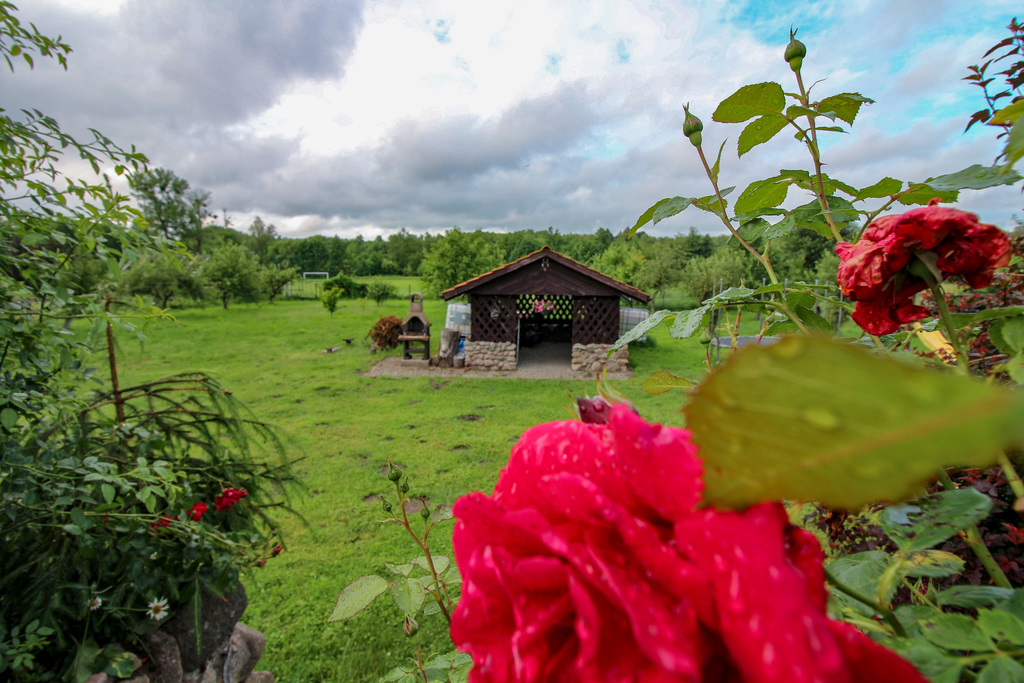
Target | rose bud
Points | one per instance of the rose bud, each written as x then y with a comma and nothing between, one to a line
425,513
795,52
692,127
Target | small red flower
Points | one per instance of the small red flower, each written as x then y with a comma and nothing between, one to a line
197,511
277,550
158,525
874,271
228,498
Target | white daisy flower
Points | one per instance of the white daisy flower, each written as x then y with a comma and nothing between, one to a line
157,609
94,603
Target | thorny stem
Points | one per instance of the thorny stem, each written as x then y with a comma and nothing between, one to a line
972,537
422,543
962,359
883,612
763,260
1012,478
812,146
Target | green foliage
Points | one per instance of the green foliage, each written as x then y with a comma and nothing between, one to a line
273,279
348,287
457,257
171,207
97,489
329,298
232,273
381,292
164,278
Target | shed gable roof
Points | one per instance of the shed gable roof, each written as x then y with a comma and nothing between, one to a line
545,272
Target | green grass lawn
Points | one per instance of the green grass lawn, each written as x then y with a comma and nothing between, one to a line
450,435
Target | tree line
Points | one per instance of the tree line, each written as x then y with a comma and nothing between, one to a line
228,264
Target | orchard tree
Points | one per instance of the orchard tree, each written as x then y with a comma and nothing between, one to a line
457,257
261,237
171,207
164,278
232,272
273,279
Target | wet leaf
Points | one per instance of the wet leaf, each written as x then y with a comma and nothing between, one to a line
930,520
663,381
358,596
844,426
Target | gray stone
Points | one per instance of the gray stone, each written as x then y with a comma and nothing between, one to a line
163,652
99,678
245,649
260,677
219,614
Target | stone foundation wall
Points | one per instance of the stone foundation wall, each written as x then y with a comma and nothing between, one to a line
594,358
493,355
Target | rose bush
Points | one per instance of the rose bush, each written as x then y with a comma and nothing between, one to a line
592,562
878,271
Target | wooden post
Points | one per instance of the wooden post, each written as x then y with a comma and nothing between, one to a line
449,346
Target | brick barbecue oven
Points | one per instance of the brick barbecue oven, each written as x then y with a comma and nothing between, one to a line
415,335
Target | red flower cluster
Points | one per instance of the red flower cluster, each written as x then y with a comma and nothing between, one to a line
197,511
228,498
590,562
874,271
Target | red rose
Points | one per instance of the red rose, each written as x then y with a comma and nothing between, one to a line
590,562
873,272
164,521
228,498
197,511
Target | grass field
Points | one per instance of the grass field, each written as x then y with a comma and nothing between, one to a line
451,436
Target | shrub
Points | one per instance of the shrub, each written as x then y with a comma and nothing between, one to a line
350,288
381,292
385,332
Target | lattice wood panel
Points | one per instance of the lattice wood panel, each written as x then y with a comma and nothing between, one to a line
547,306
493,318
595,320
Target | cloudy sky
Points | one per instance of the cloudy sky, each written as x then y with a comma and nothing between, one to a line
345,117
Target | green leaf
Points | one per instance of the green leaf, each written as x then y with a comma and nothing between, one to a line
663,381
955,632
762,193
660,211
642,328
931,661
72,529
861,572
933,563
845,105
1002,627
760,130
930,520
976,177
922,194
8,418
689,322
120,665
1008,335
813,321
886,187
358,596
753,229
750,101
859,427
108,492
399,569
408,595
1014,149
961,320
795,110
972,596
1008,114
1002,669
441,563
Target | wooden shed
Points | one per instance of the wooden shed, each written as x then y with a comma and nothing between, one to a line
545,295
